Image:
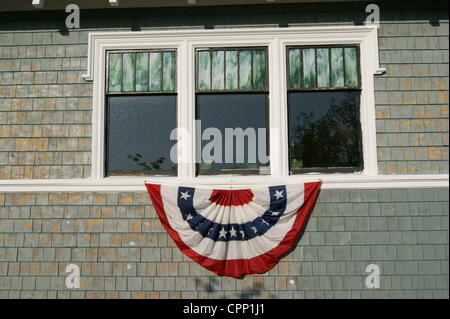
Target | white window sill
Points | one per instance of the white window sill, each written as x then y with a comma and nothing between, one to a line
132,184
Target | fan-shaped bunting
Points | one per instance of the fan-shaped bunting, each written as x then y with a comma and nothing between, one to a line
234,232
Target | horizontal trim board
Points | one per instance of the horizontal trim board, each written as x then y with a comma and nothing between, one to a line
121,184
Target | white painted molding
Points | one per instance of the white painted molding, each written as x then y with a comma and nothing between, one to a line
38,3
120,184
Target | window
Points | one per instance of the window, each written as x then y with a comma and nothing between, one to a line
324,110
140,113
232,101
307,93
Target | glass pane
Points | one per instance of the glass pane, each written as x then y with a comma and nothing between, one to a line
245,70
309,68
218,70
141,71
155,71
351,69
231,70
295,68
204,70
259,69
324,131
323,68
128,72
337,67
115,72
233,144
138,132
169,71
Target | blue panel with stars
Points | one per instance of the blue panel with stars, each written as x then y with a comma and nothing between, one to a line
226,232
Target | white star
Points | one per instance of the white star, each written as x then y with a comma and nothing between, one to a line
242,233
223,233
189,216
185,195
264,221
254,229
232,232
275,213
278,194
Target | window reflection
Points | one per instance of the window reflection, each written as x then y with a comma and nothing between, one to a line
138,134
325,131
243,113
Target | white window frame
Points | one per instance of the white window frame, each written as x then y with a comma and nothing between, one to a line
276,40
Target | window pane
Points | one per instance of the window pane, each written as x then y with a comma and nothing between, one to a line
259,69
155,82
115,72
235,133
351,67
309,67
295,68
138,134
231,70
204,70
218,70
169,71
337,67
141,71
323,68
128,72
245,70
324,131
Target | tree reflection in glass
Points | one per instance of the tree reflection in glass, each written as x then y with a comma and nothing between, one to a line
325,131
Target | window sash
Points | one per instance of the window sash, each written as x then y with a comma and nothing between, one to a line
333,168
143,161
130,71
231,69
307,76
263,168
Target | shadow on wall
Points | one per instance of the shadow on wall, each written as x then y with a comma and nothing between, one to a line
213,285
282,15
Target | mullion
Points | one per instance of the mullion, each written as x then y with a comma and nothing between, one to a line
329,67
162,71
315,65
343,65
225,70
302,70
252,82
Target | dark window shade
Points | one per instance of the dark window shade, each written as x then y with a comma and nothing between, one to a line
325,131
230,110
138,134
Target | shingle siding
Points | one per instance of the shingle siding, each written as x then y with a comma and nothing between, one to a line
118,242
412,98
46,108
116,238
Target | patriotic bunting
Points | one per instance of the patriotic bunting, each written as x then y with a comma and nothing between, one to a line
234,232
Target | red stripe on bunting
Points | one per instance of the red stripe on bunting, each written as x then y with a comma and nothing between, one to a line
241,267
231,197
